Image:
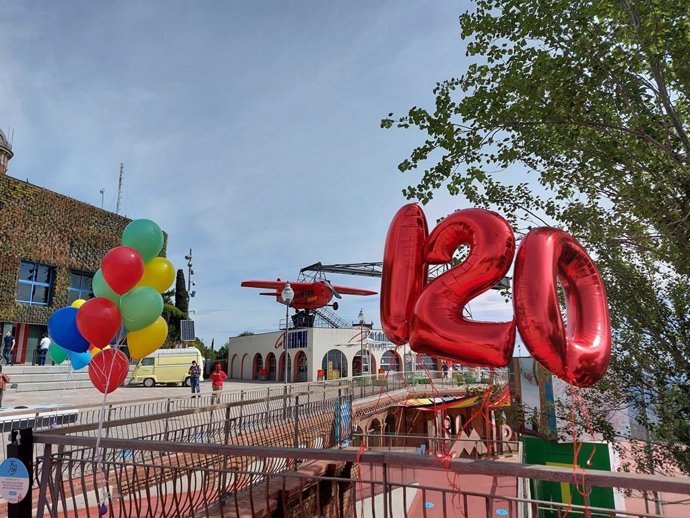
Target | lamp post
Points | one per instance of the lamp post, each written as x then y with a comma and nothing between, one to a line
190,272
287,295
361,344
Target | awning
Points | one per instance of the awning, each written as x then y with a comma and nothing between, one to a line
501,399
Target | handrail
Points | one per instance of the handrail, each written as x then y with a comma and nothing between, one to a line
598,478
177,413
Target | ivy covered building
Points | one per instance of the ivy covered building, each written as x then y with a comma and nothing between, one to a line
50,247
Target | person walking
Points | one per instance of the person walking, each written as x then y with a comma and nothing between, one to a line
217,377
8,346
43,349
194,375
4,380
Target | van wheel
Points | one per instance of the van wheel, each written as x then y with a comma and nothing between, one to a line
187,382
149,382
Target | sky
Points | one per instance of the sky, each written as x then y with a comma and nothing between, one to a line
249,131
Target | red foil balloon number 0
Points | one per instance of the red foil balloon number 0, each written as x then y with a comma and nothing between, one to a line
429,315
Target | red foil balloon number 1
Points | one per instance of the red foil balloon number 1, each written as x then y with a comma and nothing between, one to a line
429,315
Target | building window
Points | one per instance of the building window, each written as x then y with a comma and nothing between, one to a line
35,285
80,287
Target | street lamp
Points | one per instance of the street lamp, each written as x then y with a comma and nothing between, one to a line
287,295
190,272
361,344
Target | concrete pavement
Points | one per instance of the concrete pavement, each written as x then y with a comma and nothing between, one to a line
89,396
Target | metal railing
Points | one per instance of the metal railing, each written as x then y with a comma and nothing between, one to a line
152,409
472,448
176,479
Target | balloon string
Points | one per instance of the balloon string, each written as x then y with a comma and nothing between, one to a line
53,421
579,483
101,419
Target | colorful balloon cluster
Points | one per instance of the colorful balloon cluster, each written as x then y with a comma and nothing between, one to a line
127,302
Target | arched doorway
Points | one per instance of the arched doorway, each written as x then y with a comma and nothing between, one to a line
234,367
427,363
334,364
391,361
281,368
246,367
272,367
374,433
357,368
357,436
258,366
301,366
389,426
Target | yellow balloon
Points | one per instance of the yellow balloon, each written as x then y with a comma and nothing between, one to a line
143,342
159,273
78,303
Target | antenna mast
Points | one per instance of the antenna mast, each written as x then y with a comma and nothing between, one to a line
119,188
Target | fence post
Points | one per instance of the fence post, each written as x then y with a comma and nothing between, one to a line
296,423
46,467
241,431
22,448
352,396
339,414
285,396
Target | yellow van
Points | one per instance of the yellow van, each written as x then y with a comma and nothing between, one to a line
167,366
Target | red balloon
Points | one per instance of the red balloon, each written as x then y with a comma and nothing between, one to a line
580,353
98,320
122,268
438,326
108,370
405,271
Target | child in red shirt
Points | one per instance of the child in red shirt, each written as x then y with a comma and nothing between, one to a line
217,377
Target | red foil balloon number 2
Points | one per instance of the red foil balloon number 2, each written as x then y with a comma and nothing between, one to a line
429,315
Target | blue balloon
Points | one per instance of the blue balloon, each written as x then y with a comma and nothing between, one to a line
80,360
62,328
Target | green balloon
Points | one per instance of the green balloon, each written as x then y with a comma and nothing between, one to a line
140,307
57,353
101,288
145,237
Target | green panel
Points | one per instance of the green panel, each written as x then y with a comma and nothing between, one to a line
539,451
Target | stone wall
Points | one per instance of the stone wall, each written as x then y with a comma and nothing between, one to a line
48,228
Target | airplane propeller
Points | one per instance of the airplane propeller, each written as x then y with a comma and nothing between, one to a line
330,287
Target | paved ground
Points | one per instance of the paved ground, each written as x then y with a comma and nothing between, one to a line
89,396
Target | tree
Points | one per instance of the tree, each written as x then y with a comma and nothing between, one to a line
576,114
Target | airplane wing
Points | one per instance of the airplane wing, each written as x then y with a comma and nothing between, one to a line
352,291
272,285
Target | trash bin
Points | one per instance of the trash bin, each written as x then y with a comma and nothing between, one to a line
320,375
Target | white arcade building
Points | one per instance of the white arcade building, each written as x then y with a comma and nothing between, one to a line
319,353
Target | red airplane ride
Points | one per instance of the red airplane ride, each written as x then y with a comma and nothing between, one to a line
308,295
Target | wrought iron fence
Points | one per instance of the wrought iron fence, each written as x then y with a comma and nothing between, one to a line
174,479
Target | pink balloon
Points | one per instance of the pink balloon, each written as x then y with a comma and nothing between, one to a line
580,353
122,268
98,320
